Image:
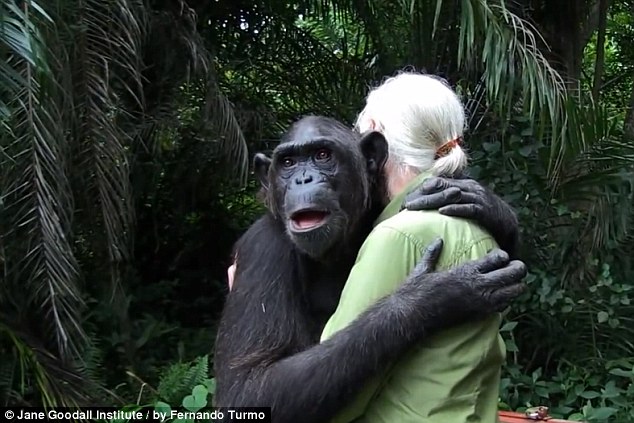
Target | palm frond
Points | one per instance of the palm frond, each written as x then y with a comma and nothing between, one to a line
220,116
23,42
321,81
488,41
38,201
507,49
35,368
596,180
106,51
191,61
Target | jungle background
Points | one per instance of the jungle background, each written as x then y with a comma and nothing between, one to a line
127,129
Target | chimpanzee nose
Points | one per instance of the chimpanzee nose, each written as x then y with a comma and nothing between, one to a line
304,179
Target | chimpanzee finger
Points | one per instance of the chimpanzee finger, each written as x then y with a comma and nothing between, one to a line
468,211
494,260
502,298
430,258
433,184
509,275
432,201
471,198
427,188
437,183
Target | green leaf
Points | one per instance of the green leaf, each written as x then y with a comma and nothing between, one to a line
491,147
210,384
510,345
601,413
590,394
508,327
542,392
622,373
610,390
162,407
526,150
602,317
200,392
189,402
197,400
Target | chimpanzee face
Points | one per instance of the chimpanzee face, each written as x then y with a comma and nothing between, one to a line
319,181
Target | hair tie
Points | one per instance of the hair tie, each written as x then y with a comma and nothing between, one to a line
446,148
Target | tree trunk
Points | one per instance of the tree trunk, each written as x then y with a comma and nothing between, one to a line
567,26
628,125
599,64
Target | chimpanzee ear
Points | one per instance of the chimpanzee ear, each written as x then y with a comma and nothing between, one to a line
374,149
261,164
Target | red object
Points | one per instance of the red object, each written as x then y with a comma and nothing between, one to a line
444,149
512,417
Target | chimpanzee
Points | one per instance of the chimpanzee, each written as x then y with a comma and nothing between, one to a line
323,190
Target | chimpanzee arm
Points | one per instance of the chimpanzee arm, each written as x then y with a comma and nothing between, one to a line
311,384
469,199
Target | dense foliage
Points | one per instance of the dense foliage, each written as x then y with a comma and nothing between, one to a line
126,129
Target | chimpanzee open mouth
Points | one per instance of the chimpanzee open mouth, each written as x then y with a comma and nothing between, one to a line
306,220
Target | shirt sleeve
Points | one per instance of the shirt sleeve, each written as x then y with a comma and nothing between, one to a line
384,261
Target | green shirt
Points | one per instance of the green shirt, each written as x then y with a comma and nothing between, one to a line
452,377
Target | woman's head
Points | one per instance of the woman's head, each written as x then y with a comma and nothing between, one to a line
418,115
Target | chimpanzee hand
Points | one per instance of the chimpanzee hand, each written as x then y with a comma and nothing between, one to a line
470,291
467,198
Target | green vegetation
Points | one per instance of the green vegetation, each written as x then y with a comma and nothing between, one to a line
126,130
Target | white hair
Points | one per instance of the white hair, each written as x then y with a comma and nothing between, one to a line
417,114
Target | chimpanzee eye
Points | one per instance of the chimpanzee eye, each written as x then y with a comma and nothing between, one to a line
287,162
322,154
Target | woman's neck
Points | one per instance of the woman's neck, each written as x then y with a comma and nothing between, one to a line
398,177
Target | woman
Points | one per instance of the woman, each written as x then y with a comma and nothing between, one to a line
454,377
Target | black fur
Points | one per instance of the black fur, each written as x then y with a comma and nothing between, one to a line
267,350
463,197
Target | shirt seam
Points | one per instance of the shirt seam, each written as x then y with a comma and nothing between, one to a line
457,260
458,254
409,237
